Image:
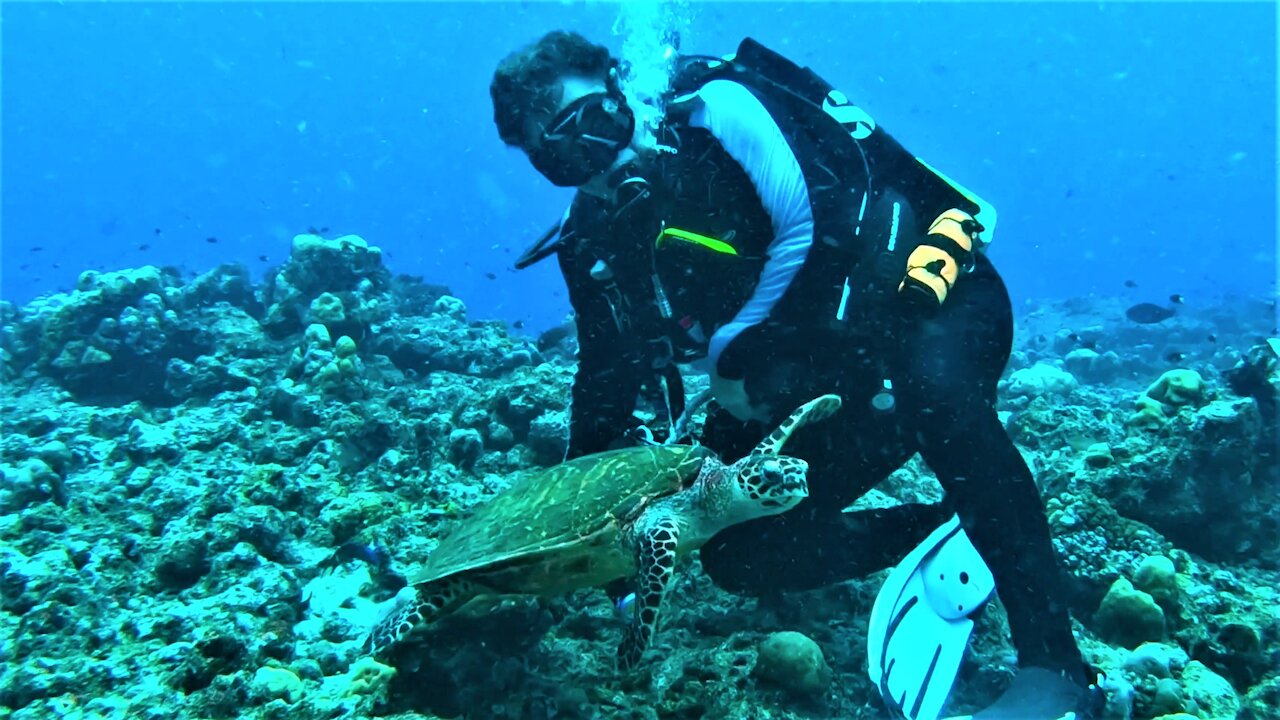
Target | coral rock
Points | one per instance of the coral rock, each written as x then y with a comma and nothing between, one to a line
1158,578
1149,414
1128,616
1212,694
1040,380
795,662
273,682
1177,388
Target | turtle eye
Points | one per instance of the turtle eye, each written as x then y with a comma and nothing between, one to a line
771,471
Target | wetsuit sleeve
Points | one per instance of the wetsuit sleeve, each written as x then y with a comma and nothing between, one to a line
952,363
607,381
748,133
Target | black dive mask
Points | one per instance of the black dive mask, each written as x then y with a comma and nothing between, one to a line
583,140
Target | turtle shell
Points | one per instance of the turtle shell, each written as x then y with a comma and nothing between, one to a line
561,519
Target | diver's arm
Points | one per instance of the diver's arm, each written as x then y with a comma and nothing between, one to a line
749,134
607,381
748,346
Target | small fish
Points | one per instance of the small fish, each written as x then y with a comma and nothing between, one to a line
211,240
1087,344
1176,299
1212,338
554,336
1175,356
157,231
518,324
491,276
263,258
376,557
623,604
1130,283
364,552
36,248
313,230
144,247
1148,314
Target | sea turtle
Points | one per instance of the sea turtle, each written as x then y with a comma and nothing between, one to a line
618,514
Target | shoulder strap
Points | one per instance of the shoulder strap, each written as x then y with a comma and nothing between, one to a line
544,247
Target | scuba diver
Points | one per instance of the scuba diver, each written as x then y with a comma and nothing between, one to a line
756,224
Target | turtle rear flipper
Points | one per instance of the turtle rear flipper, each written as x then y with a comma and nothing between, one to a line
418,605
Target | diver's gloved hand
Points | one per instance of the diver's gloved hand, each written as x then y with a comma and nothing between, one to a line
1040,694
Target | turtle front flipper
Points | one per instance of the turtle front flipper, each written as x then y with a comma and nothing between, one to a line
425,604
819,408
656,556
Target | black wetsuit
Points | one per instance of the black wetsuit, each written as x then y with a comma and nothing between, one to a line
943,365
946,372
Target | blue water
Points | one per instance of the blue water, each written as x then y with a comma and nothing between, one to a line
1119,142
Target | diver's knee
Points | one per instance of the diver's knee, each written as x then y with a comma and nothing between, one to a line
725,565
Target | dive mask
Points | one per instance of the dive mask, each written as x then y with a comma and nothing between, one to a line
583,140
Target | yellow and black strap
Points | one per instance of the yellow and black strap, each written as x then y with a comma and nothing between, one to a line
946,251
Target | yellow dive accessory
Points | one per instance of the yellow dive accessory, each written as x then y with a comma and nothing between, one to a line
935,264
706,241
986,211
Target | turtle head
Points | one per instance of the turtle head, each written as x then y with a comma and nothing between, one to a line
772,483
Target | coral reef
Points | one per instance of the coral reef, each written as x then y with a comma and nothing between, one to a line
208,486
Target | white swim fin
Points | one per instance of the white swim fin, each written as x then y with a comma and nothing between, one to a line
921,622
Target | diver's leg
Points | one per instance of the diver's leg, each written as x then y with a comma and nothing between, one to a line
815,545
953,364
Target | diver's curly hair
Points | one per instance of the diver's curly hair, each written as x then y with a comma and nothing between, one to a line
524,82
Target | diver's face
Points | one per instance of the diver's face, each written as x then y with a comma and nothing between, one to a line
572,89
582,139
